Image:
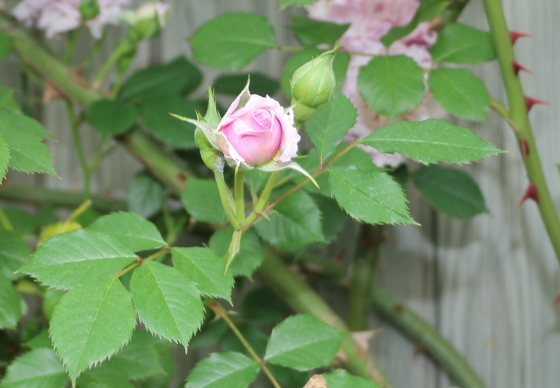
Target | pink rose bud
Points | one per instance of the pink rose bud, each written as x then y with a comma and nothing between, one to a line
257,131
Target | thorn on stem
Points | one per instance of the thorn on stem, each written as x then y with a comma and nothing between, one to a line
524,149
530,101
516,35
556,301
530,193
517,67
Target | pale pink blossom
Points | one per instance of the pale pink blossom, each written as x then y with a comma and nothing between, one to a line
59,16
258,132
369,21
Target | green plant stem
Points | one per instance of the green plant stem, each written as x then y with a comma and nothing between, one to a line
223,314
76,213
239,185
361,282
72,37
502,111
301,298
94,50
307,180
139,261
422,333
227,200
262,201
5,221
519,115
113,58
41,196
75,126
158,161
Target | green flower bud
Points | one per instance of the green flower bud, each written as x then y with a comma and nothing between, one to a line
149,20
313,83
89,9
211,157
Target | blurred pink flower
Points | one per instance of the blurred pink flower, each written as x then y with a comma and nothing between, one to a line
370,20
59,16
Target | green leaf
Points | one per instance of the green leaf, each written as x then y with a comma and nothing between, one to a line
132,230
145,195
340,66
40,341
343,379
91,323
301,3
391,85
139,358
250,253
460,92
333,216
27,152
10,306
201,199
430,141
458,43
6,42
168,304
166,359
11,114
38,368
178,77
105,375
50,301
450,191
232,40
13,254
369,196
329,124
311,33
22,220
261,304
155,115
303,342
72,259
288,377
233,84
111,118
202,266
219,370
426,11
295,221
4,159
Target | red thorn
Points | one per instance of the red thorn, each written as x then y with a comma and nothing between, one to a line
556,301
530,101
530,193
516,35
517,67
524,149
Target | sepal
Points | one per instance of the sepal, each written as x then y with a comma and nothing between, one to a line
209,130
273,166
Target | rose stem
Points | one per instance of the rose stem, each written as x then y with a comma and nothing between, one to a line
518,115
363,271
225,197
239,185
